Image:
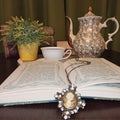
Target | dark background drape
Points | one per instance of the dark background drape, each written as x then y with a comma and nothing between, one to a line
53,12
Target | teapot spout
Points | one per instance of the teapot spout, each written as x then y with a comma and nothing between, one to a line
71,36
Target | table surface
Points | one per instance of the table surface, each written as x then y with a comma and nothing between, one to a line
94,109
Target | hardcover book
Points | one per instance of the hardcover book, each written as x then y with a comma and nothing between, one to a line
38,81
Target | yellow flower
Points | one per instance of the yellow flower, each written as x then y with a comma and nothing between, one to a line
17,35
20,28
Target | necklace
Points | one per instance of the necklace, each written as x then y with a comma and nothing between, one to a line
69,100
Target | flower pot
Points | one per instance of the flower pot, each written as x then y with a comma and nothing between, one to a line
28,52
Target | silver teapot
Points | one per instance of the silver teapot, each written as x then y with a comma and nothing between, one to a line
88,42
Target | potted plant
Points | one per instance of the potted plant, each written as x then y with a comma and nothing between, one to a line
26,34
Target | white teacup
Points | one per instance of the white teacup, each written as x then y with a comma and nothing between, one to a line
55,53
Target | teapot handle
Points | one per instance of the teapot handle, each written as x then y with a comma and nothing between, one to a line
110,34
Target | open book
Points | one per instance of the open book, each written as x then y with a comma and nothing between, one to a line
38,81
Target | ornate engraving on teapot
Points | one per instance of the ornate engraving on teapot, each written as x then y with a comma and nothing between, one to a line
88,42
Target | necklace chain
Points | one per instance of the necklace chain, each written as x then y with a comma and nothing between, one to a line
79,63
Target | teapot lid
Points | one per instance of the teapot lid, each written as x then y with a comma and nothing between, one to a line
90,14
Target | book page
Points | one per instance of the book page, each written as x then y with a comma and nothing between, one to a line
40,74
98,71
